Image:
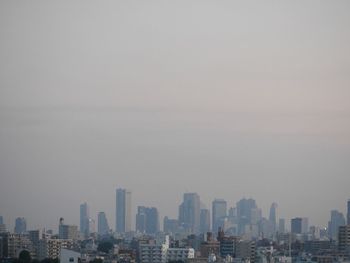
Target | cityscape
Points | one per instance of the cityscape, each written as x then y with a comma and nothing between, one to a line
170,131
198,234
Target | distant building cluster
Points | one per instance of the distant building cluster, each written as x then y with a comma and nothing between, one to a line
223,233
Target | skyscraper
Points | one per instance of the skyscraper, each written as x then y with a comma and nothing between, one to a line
205,221
147,220
337,220
273,217
102,224
84,219
299,225
219,210
348,214
281,226
20,225
189,212
244,213
1,220
123,211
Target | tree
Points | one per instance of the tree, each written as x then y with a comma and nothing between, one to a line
105,246
24,257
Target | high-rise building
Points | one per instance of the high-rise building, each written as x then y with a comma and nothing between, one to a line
205,221
20,225
1,220
344,239
170,226
102,224
189,212
123,211
219,212
281,226
67,231
296,225
84,219
337,220
348,213
147,220
273,217
244,213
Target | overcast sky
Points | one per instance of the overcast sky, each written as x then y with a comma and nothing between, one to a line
228,99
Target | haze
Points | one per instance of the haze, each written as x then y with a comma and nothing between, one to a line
226,99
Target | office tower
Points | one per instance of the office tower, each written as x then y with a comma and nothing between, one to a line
67,231
281,226
147,220
170,226
337,220
296,227
20,225
219,210
1,220
84,219
273,217
123,211
348,214
205,221
189,212
344,239
305,225
244,213
102,224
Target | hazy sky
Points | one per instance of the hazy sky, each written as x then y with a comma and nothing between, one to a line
229,99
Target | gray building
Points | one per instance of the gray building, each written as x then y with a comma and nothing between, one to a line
189,212
84,219
20,225
102,224
273,217
147,220
337,220
219,212
204,221
348,213
123,211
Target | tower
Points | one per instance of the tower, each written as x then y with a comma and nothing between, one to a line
84,219
219,210
273,217
123,211
189,212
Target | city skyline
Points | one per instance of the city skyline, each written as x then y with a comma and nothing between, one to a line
225,99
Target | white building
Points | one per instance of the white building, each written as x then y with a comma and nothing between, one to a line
51,248
69,256
179,254
153,253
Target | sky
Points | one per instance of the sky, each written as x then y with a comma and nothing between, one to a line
229,99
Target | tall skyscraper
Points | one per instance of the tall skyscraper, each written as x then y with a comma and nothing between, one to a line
147,220
102,224
1,220
20,225
189,212
337,220
205,221
281,226
219,212
84,219
300,225
245,210
273,217
123,211
348,213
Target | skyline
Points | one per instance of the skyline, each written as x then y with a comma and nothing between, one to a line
203,206
225,99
